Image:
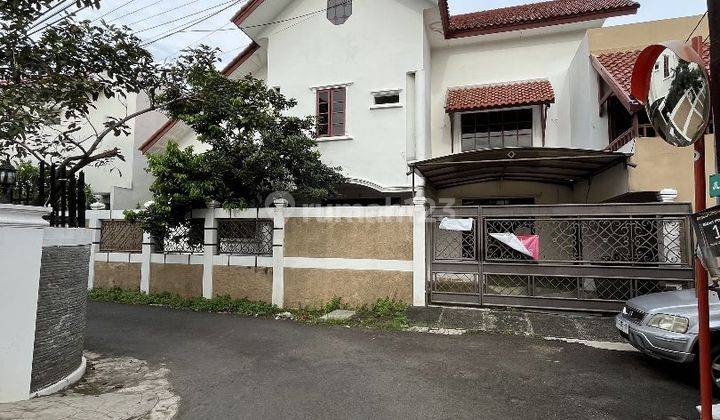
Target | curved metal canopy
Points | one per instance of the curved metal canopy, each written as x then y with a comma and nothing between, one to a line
534,164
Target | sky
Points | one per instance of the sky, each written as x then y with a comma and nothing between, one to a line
152,20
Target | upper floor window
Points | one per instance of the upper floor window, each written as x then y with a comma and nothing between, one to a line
496,129
339,11
331,112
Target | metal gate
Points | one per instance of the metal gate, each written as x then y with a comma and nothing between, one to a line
591,257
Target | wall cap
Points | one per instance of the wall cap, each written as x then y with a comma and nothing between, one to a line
67,237
23,216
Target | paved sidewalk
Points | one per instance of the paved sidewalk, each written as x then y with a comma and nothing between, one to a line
115,388
536,324
223,366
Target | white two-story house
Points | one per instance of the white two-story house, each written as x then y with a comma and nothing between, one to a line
496,106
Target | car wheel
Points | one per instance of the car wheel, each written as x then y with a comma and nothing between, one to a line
715,368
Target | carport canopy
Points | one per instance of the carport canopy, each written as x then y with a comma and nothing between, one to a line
535,164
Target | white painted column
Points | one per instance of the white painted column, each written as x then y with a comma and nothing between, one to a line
146,257
95,225
21,242
421,115
671,251
210,249
419,262
278,288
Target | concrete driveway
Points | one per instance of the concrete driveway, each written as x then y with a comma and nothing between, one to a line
224,366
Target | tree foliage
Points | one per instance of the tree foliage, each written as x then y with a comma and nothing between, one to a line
53,67
254,146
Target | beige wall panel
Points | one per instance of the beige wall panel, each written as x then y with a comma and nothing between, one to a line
542,193
354,238
313,287
243,282
182,279
639,35
111,275
660,165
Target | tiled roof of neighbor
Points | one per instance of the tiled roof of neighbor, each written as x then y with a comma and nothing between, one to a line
529,92
619,65
538,13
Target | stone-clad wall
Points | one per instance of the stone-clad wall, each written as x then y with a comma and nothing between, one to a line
60,323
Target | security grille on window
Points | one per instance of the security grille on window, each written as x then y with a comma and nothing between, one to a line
498,129
339,11
331,112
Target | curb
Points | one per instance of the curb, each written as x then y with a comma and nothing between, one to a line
64,383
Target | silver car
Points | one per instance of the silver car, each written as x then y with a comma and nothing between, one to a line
665,326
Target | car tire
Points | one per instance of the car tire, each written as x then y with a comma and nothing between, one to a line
715,366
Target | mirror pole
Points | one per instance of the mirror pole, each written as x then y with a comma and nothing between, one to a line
714,24
701,278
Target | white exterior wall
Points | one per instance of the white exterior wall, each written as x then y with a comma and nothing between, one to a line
515,57
588,129
373,51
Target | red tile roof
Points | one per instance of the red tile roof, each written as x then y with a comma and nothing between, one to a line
535,15
618,67
504,95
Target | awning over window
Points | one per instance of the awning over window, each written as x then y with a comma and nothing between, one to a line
503,95
539,164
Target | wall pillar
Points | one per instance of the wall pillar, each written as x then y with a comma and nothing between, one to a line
147,246
671,250
21,242
419,254
95,226
210,250
278,287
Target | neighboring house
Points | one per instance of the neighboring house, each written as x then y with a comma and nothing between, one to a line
494,107
122,183
654,165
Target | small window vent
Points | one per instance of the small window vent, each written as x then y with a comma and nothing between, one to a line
339,11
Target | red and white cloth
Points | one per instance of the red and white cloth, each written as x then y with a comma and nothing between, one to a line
525,244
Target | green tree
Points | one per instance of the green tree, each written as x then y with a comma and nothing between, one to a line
255,146
53,66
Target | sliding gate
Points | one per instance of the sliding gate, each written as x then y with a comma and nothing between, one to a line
571,257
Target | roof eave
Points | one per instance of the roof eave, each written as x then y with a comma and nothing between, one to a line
247,9
464,33
630,104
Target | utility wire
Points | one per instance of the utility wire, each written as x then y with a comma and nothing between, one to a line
163,12
185,16
139,9
191,24
49,25
113,10
696,26
52,15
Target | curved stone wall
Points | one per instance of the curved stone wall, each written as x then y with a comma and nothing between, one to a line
61,309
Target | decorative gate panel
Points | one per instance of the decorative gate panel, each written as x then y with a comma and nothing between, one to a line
590,257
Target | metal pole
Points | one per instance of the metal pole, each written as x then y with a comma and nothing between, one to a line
714,23
701,278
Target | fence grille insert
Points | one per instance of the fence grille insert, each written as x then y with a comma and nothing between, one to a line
245,236
120,236
188,238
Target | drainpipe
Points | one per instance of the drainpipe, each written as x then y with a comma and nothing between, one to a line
421,134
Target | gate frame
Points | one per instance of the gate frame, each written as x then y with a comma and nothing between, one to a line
481,267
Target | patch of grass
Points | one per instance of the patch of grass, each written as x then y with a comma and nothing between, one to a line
198,304
384,314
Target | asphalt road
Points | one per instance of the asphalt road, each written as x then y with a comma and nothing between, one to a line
230,367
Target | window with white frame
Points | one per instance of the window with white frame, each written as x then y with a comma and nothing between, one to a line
496,129
331,112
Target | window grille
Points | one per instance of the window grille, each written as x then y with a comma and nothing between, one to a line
245,237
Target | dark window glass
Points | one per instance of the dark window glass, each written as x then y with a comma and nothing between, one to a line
339,11
331,112
387,99
498,129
